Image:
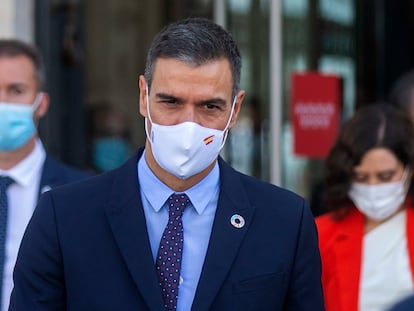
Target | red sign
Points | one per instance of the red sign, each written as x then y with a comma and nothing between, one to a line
315,112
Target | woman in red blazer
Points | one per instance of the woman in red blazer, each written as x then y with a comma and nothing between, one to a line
367,237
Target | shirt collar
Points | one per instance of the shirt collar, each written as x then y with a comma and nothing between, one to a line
25,172
157,193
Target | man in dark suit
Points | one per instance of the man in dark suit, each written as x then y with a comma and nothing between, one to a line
175,228
25,169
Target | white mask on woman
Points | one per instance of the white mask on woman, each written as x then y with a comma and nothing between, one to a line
187,148
379,201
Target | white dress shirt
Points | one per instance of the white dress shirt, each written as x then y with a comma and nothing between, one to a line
386,272
22,198
197,223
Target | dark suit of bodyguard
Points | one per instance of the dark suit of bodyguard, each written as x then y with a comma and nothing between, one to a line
25,169
115,242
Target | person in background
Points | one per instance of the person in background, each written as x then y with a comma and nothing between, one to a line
110,138
25,169
402,94
175,227
367,239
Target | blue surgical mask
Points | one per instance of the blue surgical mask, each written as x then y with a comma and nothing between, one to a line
109,153
16,124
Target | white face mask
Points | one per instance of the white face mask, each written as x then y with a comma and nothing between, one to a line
187,148
379,201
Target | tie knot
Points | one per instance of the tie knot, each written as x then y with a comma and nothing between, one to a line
177,203
5,181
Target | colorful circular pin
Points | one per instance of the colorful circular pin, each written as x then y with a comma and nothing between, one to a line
237,221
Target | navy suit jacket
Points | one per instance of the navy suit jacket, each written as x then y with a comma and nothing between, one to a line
406,304
87,248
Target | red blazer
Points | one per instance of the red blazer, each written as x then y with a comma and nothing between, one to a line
340,244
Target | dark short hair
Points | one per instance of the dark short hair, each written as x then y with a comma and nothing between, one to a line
194,41
372,126
13,48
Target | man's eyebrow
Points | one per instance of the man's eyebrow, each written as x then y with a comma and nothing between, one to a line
168,97
214,100
17,85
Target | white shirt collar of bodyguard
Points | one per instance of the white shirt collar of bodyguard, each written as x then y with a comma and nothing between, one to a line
25,172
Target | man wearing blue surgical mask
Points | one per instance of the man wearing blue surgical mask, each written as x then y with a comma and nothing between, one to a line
110,146
25,169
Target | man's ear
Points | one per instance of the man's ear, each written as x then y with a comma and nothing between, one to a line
142,84
43,106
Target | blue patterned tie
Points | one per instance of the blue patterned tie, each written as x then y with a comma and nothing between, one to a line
168,261
5,182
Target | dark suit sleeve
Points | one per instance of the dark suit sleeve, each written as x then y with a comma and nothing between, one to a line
38,274
305,291
407,304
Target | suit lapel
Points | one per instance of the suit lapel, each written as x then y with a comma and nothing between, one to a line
225,238
348,245
49,178
127,220
410,234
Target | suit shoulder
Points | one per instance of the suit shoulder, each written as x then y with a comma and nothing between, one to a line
92,183
404,305
324,220
63,170
269,200
260,187
327,227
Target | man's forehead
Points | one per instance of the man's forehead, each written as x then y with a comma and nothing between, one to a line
176,68
188,62
17,58
17,69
